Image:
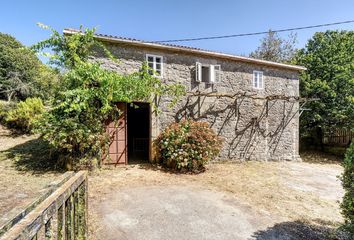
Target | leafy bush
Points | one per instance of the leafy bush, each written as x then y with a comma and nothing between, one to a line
75,124
25,114
348,185
187,145
5,107
88,96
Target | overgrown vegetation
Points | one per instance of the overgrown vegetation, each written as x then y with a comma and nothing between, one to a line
69,50
329,59
348,185
75,124
5,107
22,74
187,145
24,115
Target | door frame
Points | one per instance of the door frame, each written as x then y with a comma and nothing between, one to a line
150,130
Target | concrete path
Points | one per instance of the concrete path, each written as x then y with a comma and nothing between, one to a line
261,201
176,212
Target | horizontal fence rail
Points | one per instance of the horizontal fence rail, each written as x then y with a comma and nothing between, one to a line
51,188
339,137
62,215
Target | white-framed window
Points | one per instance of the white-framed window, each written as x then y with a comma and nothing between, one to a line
207,73
258,80
156,65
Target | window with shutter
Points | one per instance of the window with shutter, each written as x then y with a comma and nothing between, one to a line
198,72
211,74
217,73
207,73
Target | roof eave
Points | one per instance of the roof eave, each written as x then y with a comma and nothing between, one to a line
191,50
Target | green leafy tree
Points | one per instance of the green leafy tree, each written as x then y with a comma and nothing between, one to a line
75,123
329,59
348,185
276,49
22,74
70,50
187,145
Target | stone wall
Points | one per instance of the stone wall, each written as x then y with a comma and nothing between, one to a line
253,129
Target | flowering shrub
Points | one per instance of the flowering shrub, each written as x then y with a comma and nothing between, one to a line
187,145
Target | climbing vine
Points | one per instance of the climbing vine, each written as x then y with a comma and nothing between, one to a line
75,124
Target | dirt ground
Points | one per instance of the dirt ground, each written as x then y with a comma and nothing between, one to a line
252,200
22,177
9,140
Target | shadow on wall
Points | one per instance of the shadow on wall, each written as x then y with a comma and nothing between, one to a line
247,126
34,156
299,230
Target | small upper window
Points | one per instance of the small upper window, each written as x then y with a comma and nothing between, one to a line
155,64
258,80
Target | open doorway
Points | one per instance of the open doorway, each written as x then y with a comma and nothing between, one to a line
138,118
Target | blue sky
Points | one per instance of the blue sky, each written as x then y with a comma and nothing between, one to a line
161,20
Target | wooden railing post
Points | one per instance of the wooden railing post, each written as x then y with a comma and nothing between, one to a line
62,215
72,217
67,219
61,222
82,211
48,232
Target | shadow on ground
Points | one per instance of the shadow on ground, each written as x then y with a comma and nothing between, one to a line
320,157
35,156
161,168
299,230
11,133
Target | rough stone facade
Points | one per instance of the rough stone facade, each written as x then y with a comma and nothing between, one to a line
253,127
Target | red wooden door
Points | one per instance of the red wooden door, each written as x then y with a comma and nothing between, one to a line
117,130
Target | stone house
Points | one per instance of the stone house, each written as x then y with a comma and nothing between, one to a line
253,104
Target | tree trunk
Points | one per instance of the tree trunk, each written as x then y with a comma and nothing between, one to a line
9,96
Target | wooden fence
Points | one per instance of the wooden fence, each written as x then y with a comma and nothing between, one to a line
339,137
62,215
